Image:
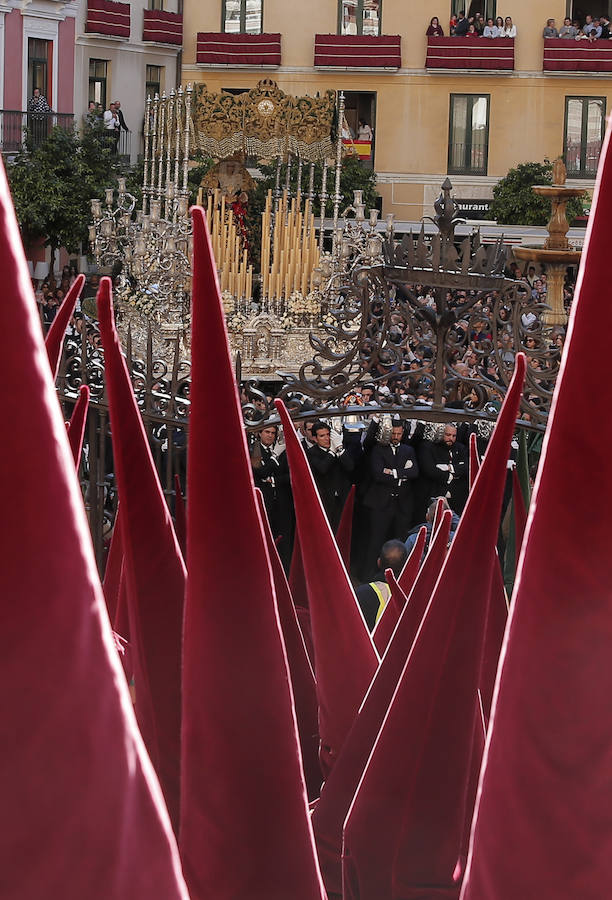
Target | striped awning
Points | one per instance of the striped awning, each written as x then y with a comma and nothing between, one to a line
108,17
162,27
470,53
358,51
218,49
565,55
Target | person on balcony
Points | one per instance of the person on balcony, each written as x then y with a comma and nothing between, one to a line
549,30
479,23
37,103
500,26
38,116
568,31
462,25
435,29
509,28
119,111
111,124
592,28
604,21
490,30
364,132
472,33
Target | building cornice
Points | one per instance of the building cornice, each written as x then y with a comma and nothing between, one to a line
108,42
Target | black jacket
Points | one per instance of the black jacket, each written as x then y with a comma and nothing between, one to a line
384,487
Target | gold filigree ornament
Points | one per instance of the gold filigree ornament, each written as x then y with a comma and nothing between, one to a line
265,107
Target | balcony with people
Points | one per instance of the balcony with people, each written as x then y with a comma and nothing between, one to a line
21,129
578,46
473,42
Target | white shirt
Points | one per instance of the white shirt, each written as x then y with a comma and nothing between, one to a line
111,120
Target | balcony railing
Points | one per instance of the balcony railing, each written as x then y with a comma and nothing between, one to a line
564,55
15,123
493,54
162,27
216,49
467,159
124,147
349,51
582,160
108,17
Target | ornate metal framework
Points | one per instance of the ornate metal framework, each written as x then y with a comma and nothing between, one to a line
433,328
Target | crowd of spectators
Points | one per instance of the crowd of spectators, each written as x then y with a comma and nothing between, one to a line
50,293
595,28
475,26
111,120
395,485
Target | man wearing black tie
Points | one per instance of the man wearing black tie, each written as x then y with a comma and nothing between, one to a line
265,473
390,496
330,466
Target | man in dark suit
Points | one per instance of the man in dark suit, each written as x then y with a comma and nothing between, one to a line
390,496
330,466
119,111
444,467
269,476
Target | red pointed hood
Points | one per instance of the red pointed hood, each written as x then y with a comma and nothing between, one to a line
300,669
76,426
112,572
412,565
339,789
180,522
244,817
345,657
405,829
474,459
520,513
75,771
400,590
548,753
54,340
496,620
153,568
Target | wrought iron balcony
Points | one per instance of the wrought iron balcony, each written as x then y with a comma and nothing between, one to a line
15,124
468,158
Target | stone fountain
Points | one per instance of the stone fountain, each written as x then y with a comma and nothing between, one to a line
557,253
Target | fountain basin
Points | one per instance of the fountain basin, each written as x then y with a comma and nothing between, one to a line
559,257
557,191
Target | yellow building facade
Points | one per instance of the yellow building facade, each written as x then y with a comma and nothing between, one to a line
428,122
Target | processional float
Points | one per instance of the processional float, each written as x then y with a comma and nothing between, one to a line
271,312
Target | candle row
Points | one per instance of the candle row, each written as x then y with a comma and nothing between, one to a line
289,248
235,274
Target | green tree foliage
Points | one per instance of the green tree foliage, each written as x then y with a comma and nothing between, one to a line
354,176
514,202
53,183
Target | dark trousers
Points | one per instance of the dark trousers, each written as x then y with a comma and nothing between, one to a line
389,523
